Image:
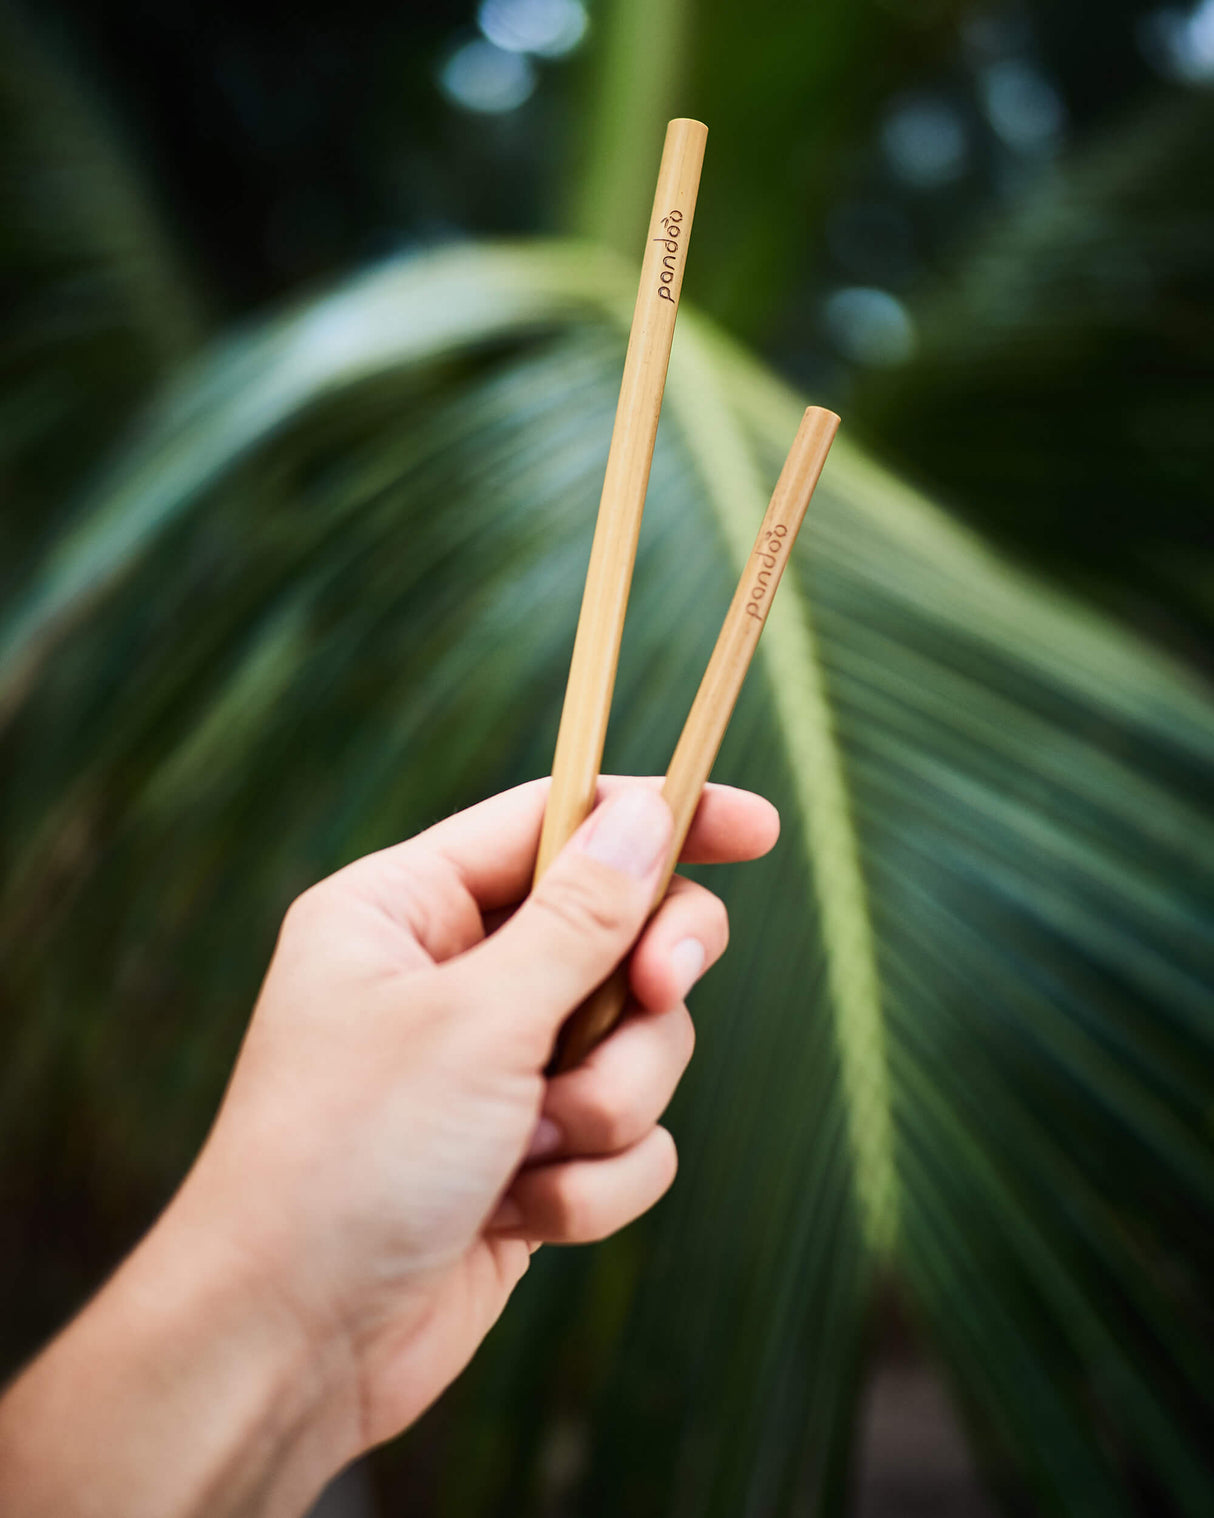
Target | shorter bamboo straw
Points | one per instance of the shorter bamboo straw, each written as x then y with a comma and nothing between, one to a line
713,706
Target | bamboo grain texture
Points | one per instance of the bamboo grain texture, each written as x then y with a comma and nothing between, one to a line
596,649
704,730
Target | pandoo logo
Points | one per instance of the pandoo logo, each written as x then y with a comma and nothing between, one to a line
766,556
673,222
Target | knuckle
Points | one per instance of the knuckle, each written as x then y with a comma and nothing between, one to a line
607,1122
439,911
303,913
576,1215
582,906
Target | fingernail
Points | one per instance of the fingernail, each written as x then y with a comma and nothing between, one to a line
547,1139
630,832
687,959
509,1215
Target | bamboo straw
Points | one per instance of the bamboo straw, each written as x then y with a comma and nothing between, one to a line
596,648
713,706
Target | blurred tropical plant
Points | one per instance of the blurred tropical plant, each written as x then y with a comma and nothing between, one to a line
322,590
1064,383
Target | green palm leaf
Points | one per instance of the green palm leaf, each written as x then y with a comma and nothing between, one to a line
962,1045
97,307
1062,388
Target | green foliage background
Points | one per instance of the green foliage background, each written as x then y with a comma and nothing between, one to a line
285,581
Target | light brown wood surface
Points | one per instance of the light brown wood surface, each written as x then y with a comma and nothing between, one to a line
713,706
596,648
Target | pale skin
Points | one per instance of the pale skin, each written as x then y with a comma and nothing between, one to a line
387,1157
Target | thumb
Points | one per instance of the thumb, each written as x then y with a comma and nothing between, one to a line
581,919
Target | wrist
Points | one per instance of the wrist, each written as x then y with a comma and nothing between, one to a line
186,1387
293,1416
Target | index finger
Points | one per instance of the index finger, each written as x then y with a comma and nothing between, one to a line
492,846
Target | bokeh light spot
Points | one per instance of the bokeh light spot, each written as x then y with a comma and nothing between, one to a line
869,326
926,141
482,77
550,28
1179,43
1022,106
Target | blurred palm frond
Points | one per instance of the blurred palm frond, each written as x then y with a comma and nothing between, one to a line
963,1040
98,305
1064,382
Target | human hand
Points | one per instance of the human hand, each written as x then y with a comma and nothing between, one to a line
388,1154
389,1151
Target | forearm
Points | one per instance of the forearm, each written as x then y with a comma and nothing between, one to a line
183,1389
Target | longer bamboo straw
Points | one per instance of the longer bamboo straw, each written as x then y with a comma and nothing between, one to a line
713,706
596,648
